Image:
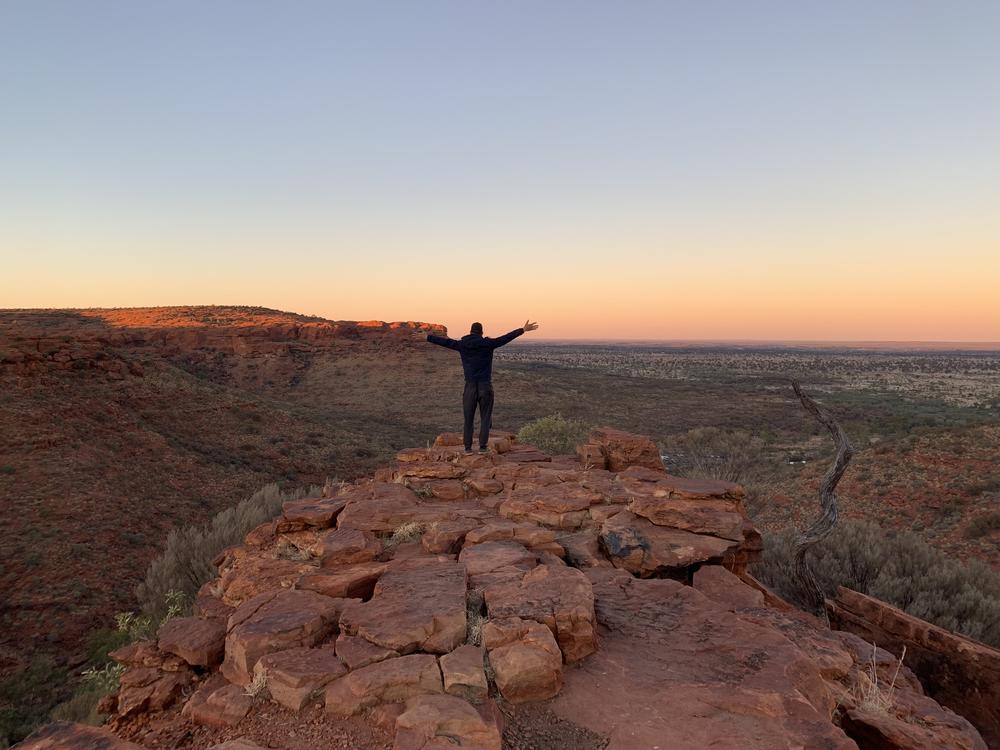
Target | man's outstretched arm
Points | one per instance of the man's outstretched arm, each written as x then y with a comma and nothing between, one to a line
508,337
442,341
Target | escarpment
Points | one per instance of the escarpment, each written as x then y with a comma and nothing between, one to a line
436,601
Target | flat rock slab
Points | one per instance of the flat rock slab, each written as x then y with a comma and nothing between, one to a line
525,658
346,546
348,582
246,574
276,621
721,586
198,642
65,735
355,652
701,516
443,722
616,450
312,513
645,549
418,604
488,556
463,672
217,703
676,670
501,529
559,597
389,681
295,674
562,506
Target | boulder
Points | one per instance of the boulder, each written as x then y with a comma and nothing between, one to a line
245,575
443,722
198,642
501,529
418,604
355,652
563,505
389,681
582,549
645,549
217,703
339,547
349,582
319,513
65,735
620,450
463,673
525,659
295,674
959,673
488,556
559,597
446,537
276,621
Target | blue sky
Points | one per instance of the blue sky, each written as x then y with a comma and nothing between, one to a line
361,160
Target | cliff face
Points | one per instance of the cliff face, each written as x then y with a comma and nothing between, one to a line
115,341
508,598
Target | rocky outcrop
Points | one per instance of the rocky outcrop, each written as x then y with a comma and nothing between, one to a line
958,672
414,599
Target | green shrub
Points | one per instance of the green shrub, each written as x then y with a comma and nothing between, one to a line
899,569
711,453
186,562
26,696
983,524
554,434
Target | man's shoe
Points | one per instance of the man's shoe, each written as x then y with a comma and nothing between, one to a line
483,449
467,451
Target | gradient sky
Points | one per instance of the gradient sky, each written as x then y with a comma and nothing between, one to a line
796,170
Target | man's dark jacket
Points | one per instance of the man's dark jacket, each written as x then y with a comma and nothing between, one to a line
477,352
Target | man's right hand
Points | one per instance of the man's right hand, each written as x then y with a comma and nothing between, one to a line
529,326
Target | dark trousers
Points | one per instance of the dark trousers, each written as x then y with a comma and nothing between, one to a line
481,395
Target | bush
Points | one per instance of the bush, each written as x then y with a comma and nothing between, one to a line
26,696
554,434
983,524
711,453
186,563
899,569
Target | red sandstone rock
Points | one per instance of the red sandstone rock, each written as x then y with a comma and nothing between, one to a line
217,703
582,549
350,582
417,605
443,722
526,533
484,486
525,659
339,547
389,681
295,674
558,597
276,621
721,586
356,652
198,642
499,441
446,537
301,514
488,556
65,735
561,505
238,744
958,672
622,449
463,673
245,575
645,549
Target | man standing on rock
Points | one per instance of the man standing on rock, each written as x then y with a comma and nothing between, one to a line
477,362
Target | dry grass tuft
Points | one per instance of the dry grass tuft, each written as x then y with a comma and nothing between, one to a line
869,694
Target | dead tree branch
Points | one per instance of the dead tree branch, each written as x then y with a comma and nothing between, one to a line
827,518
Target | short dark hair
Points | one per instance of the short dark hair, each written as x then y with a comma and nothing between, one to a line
476,328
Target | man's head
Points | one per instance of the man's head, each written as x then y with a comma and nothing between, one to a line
477,328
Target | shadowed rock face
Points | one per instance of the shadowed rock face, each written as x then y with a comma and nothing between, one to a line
451,578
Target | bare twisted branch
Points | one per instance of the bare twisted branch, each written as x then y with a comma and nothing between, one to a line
827,518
